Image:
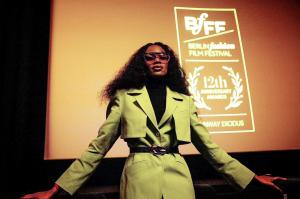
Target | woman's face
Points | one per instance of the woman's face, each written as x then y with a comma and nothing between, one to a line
157,61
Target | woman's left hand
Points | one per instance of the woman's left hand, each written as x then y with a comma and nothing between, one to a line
268,180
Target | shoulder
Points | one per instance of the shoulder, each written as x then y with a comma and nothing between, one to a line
120,92
179,96
131,91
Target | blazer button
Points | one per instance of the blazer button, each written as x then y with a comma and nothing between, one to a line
157,134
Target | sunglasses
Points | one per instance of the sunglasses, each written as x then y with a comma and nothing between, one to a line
152,56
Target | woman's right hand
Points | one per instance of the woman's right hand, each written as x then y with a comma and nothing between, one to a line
42,194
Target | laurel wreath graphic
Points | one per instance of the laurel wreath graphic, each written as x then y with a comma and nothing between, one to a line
234,98
193,81
238,88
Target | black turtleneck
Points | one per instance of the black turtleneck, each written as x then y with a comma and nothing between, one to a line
156,88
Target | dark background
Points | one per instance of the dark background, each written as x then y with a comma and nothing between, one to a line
24,67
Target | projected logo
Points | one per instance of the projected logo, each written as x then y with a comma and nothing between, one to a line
210,50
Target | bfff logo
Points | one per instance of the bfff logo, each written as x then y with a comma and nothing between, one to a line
197,24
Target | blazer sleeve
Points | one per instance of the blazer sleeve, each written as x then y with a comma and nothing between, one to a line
233,171
81,169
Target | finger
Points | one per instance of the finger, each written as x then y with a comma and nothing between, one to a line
26,197
278,188
280,178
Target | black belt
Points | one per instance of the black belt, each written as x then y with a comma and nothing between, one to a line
154,150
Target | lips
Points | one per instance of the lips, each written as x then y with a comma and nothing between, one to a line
157,68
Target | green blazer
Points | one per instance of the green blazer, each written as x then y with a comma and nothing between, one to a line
146,175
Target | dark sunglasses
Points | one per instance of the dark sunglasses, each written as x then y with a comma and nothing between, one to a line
152,56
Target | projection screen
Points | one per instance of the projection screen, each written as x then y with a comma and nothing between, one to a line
241,60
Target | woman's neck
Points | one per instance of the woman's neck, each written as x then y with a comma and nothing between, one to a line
156,82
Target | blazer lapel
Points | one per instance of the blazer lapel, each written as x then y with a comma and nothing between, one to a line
144,102
171,103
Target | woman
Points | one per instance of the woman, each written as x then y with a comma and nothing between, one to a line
151,109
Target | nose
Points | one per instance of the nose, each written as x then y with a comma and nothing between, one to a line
157,58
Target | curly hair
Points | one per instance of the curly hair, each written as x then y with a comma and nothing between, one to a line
134,73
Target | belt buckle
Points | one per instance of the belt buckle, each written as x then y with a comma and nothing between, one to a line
158,150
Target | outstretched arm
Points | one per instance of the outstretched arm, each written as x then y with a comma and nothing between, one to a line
233,171
81,169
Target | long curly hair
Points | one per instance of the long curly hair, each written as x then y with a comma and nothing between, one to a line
134,73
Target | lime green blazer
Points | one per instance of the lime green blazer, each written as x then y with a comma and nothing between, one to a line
142,176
